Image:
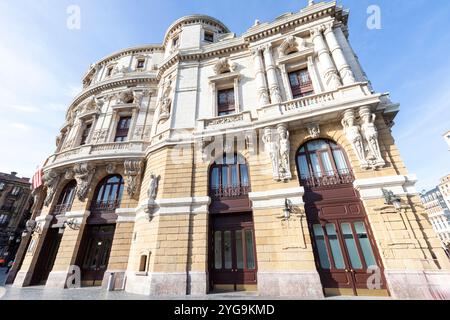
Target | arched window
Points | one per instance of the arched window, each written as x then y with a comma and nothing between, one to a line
229,178
323,163
108,194
66,198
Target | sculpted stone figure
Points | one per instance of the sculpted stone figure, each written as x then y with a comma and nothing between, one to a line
83,174
272,149
370,132
353,135
132,171
153,187
285,149
51,180
165,104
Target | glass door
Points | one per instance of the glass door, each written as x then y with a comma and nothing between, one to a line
233,259
344,253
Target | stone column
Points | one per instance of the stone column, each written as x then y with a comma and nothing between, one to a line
272,78
263,95
331,76
343,67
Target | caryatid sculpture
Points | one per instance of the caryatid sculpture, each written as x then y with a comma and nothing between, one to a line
277,147
285,149
370,133
272,150
353,135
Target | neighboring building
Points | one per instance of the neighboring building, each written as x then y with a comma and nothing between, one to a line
444,187
14,212
447,138
216,162
438,213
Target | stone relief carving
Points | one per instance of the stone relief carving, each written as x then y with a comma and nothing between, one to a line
126,96
224,65
51,181
277,147
111,168
165,103
290,44
313,130
353,134
83,174
370,133
132,171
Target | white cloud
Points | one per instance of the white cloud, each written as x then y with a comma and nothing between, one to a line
28,109
20,126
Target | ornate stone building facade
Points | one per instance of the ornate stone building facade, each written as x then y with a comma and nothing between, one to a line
438,213
15,204
221,162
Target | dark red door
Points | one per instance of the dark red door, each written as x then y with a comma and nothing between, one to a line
232,253
96,248
47,257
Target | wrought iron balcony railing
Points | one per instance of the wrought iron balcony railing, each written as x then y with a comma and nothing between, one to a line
328,179
61,209
105,206
229,192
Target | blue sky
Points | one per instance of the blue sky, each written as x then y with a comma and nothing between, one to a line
42,63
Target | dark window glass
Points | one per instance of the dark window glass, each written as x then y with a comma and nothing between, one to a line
66,198
108,193
122,129
229,179
141,63
226,102
209,36
301,84
85,134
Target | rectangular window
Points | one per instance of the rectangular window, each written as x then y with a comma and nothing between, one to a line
175,42
226,102
85,134
209,36
140,64
109,71
122,129
15,191
2,186
301,84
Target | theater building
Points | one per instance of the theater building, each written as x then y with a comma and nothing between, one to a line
220,162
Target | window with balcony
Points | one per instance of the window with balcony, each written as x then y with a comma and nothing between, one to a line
301,83
229,178
66,198
85,134
108,194
225,102
123,127
323,163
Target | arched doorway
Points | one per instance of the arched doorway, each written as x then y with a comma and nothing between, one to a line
232,252
53,236
98,236
344,246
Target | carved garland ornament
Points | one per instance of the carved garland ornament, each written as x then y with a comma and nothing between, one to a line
51,181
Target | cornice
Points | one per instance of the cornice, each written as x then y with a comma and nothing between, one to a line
114,83
151,48
307,15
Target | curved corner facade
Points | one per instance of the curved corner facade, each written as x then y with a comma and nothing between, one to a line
216,162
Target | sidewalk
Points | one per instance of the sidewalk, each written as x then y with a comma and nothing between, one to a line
3,276
42,293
